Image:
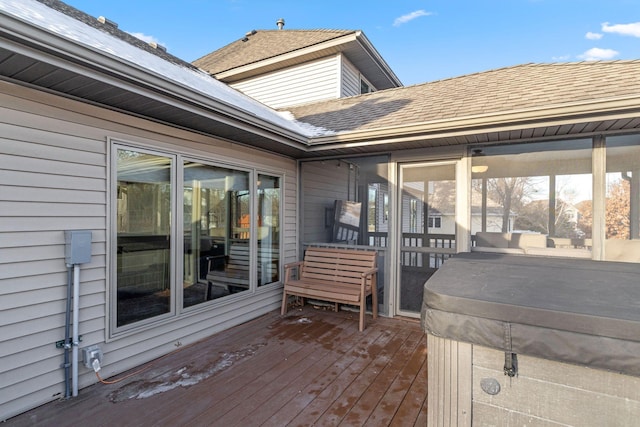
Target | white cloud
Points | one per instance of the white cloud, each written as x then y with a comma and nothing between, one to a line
632,29
145,38
593,36
597,54
410,17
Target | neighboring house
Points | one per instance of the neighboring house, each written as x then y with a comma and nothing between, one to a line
281,68
175,173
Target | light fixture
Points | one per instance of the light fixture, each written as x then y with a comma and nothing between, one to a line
478,168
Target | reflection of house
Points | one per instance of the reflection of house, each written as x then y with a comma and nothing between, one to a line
84,104
491,211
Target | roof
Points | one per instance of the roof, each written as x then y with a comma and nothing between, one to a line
262,51
69,54
103,65
518,94
112,29
264,44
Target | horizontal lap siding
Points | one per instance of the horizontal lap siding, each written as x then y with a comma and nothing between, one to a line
312,81
350,79
322,183
53,177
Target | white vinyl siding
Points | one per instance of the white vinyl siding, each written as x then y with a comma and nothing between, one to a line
308,82
350,79
320,190
54,177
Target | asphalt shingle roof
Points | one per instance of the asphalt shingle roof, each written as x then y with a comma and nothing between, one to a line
264,44
510,89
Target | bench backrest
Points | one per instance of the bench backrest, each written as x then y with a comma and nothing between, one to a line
238,259
338,265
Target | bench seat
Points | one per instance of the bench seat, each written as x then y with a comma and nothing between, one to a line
341,276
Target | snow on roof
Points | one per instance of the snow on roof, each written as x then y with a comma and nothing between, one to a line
38,14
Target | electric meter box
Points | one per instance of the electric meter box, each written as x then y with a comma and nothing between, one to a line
77,248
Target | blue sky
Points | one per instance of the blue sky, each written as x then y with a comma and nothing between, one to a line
421,40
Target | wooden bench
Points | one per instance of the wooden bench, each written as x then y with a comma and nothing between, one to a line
342,276
231,272
235,272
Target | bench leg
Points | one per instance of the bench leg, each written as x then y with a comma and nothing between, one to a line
363,306
374,303
284,303
207,291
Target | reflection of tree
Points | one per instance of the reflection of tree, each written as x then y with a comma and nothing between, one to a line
510,193
534,216
585,222
442,199
617,221
617,213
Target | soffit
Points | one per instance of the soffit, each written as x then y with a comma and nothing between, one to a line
150,105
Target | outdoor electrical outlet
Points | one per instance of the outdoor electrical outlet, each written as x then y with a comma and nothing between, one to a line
91,353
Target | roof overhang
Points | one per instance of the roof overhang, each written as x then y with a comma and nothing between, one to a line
36,57
355,46
584,120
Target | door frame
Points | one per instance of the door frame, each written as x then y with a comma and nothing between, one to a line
462,167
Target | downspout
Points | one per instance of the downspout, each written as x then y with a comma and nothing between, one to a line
76,318
67,327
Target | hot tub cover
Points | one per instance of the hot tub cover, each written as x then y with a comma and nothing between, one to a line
571,310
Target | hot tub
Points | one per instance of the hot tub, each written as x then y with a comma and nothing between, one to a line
521,340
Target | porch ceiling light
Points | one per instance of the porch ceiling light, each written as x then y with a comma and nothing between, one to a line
478,168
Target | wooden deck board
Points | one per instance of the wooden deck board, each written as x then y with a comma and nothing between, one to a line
311,366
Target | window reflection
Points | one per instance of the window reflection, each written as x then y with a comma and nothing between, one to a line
622,213
216,227
532,196
268,229
143,236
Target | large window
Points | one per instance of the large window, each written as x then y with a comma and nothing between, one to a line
143,222
529,197
217,209
188,233
622,206
268,229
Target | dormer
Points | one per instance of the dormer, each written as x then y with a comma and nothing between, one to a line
283,68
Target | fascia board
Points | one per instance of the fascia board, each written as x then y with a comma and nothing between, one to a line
329,46
619,108
375,57
36,43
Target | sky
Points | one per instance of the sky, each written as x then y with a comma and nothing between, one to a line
421,40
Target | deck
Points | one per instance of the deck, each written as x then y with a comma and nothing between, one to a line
310,367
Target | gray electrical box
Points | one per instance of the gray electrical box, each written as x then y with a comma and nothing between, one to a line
77,248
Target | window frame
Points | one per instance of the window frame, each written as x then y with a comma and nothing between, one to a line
176,262
599,152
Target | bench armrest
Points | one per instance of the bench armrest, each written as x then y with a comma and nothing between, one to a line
293,264
369,272
290,267
212,259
